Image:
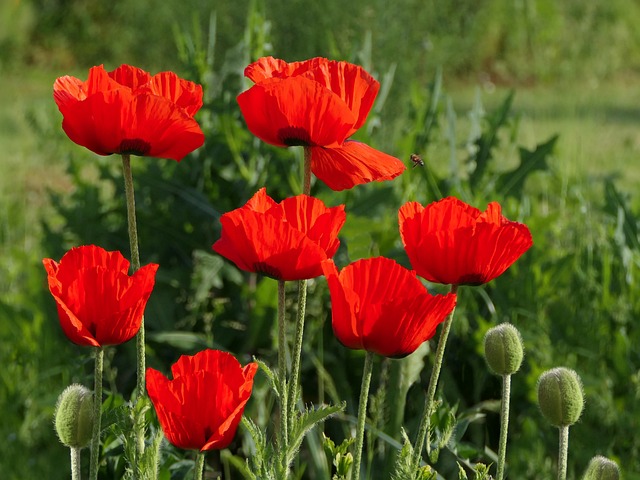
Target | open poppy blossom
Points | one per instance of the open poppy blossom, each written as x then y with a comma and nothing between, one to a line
286,240
451,242
317,103
98,302
200,409
128,111
379,306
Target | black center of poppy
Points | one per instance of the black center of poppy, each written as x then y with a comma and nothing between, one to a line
268,270
473,279
294,137
134,146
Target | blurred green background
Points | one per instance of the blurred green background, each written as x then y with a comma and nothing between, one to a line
479,89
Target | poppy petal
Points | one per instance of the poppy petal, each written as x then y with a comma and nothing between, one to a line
295,111
379,306
98,302
357,89
183,93
343,304
451,242
129,76
286,241
352,164
119,122
201,407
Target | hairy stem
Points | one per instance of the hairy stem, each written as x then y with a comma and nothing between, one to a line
362,414
294,381
429,405
282,376
76,473
135,265
563,452
504,425
97,414
199,468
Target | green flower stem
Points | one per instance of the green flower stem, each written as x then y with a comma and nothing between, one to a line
429,405
135,265
199,468
135,262
504,425
76,473
282,376
362,414
97,414
294,381
306,182
563,452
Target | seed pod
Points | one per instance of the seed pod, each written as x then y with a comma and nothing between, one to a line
74,416
560,396
503,349
601,468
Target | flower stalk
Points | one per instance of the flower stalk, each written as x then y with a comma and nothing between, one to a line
76,472
563,452
97,414
362,414
504,425
283,444
199,468
429,405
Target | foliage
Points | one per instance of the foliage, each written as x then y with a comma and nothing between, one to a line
574,296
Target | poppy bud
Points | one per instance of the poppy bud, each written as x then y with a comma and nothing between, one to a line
74,416
503,349
601,468
560,396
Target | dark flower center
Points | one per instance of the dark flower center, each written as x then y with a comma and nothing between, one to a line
268,270
472,279
134,146
294,136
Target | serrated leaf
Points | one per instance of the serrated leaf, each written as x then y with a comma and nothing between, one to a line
511,183
271,377
305,422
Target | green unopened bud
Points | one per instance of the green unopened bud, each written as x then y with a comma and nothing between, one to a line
560,396
74,416
601,468
503,349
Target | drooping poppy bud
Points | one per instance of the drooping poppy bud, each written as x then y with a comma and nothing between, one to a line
73,417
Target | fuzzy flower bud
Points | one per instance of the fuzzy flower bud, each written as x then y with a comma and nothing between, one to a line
560,396
601,468
503,349
74,416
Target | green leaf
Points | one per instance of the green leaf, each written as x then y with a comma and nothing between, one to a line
305,421
512,183
489,140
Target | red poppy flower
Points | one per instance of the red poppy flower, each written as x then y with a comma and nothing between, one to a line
98,302
318,104
379,306
285,240
128,111
200,409
451,242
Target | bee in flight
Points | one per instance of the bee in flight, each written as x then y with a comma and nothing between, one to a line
417,160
